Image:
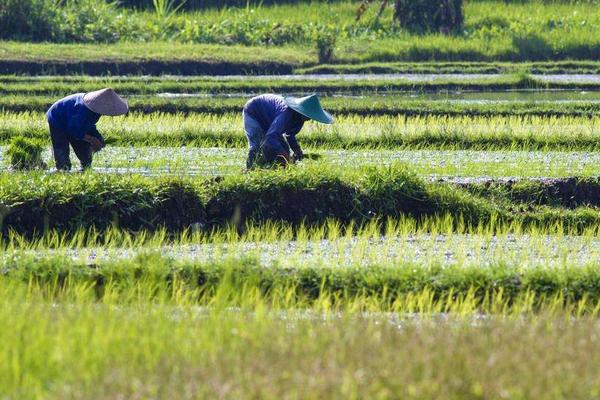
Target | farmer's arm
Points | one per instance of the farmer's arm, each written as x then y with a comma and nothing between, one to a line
79,127
94,138
273,138
295,146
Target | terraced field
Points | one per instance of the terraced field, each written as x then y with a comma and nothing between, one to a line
441,240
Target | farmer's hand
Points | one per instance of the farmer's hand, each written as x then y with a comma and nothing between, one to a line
298,156
96,144
284,158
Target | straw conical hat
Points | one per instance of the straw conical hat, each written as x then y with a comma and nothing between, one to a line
310,107
105,102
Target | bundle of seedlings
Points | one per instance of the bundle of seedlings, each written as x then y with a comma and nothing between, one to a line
25,154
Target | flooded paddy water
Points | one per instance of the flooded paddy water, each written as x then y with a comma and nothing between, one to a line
195,161
486,251
451,96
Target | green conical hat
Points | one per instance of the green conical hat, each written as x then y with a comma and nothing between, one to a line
310,107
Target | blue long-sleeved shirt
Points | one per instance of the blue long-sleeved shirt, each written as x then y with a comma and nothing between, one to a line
276,119
73,117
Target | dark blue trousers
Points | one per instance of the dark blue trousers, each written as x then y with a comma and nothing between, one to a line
60,148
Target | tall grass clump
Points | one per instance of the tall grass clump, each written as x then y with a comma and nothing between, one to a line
61,20
28,19
325,41
443,16
25,153
165,9
423,16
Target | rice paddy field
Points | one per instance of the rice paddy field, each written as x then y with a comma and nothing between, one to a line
441,240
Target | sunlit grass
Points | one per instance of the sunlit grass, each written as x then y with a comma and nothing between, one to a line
349,132
70,345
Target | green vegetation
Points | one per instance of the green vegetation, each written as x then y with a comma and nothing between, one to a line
455,67
423,16
25,153
33,204
333,85
199,59
70,345
368,105
441,240
349,132
397,288
208,4
493,31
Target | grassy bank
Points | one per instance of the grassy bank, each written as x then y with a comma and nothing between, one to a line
456,67
147,58
159,58
34,203
57,86
69,202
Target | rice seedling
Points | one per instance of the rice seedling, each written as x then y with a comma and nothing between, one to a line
25,154
369,105
453,166
66,344
331,84
566,133
390,287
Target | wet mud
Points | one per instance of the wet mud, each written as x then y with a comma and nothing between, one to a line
571,192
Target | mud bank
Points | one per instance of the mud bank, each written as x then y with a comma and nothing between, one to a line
36,204
143,67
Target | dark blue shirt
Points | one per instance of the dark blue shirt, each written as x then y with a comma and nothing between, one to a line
277,119
70,115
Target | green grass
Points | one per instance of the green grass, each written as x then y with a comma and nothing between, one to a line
215,85
566,133
161,51
392,287
35,203
494,31
456,67
368,105
70,345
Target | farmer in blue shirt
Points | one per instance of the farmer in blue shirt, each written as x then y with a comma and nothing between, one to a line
72,121
272,122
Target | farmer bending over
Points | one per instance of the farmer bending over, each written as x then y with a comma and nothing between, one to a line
271,123
73,121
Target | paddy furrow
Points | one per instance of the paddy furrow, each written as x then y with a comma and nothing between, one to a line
431,163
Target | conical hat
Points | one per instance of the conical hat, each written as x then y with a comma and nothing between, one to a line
310,107
105,102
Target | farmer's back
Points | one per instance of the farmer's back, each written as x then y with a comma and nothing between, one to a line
265,108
